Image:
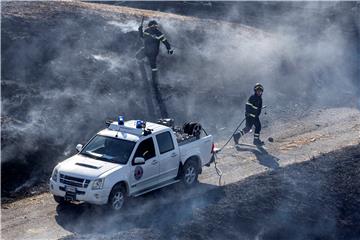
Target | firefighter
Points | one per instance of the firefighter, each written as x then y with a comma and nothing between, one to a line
152,37
252,113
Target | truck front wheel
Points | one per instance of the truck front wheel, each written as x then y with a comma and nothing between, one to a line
117,198
60,200
190,173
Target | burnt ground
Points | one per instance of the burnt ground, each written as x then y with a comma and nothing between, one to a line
316,199
67,66
295,187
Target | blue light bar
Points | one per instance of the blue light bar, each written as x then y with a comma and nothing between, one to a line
120,120
140,124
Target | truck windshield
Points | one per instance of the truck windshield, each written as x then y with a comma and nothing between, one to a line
109,149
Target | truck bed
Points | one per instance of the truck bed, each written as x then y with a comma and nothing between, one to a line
183,138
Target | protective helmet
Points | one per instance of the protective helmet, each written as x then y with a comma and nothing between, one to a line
258,86
152,23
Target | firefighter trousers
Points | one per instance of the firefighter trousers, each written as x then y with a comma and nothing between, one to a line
141,55
252,121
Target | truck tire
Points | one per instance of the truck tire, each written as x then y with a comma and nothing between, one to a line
60,200
190,173
117,198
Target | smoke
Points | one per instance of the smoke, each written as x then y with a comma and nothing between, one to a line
125,27
64,76
300,67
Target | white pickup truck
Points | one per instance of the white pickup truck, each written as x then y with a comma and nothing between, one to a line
128,159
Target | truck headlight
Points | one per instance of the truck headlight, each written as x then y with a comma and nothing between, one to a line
98,184
54,175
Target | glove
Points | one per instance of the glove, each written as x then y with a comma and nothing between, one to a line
171,51
140,28
247,114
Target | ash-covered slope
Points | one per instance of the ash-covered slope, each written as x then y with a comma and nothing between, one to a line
315,199
295,188
67,66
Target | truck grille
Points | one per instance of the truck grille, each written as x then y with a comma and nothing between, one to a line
74,181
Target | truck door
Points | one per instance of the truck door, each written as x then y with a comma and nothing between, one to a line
168,156
145,175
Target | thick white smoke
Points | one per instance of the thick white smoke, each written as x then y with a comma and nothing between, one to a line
62,80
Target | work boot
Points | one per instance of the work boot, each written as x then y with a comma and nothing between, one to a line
258,142
236,138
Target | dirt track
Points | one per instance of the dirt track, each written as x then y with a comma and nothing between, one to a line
292,170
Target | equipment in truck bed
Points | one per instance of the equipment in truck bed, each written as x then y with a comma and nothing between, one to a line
190,131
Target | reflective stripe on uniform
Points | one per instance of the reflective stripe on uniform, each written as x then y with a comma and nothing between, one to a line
153,36
251,105
252,115
159,37
154,69
163,39
256,134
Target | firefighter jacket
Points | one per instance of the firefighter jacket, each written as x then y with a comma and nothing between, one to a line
253,106
152,37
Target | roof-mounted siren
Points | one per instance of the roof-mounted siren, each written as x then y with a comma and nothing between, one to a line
140,124
120,120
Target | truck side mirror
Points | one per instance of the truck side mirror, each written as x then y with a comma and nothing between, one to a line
139,160
79,147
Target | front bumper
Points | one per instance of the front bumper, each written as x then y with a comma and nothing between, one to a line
99,197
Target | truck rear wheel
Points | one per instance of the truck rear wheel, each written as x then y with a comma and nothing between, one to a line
190,173
117,198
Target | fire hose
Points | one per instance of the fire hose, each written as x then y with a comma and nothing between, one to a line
217,169
237,128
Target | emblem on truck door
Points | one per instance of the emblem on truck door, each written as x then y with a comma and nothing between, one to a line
138,172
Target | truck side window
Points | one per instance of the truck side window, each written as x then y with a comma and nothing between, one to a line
165,142
145,149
